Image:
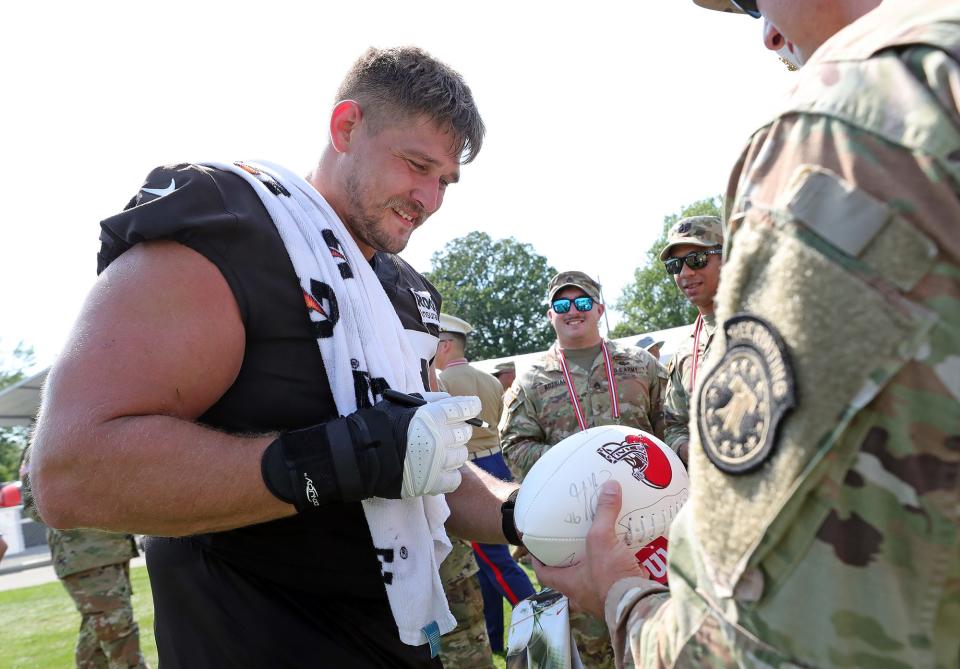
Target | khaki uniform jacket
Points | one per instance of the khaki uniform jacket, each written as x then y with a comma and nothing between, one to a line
538,412
464,379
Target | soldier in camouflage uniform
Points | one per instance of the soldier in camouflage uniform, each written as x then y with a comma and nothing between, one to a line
540,411
692,257
94,567
823,527
468,645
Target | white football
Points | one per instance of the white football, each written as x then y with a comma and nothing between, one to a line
558,497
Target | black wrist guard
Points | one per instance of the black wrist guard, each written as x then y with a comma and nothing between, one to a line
345,460
506,518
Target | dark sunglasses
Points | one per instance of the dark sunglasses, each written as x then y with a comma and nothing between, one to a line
694,260
748,6
562,305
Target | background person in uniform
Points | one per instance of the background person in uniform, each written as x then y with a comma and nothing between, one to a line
94,568
651,346
499,577
468,645
236,416
505,372
693,257
582,381
835,540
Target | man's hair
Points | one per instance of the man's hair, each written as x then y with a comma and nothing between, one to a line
407,81
459,339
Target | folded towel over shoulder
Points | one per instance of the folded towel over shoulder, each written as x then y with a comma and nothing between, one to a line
360,335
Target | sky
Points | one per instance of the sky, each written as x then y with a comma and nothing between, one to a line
602,118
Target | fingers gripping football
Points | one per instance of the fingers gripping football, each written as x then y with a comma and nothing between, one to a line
436,446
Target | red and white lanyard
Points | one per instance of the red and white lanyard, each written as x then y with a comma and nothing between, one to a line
572,391
697,329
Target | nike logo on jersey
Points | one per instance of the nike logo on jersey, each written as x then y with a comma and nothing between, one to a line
160,192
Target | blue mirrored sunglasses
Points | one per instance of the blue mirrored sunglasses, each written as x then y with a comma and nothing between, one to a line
562,305
748,6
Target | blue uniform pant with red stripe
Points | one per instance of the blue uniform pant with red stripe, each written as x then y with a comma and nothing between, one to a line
500,576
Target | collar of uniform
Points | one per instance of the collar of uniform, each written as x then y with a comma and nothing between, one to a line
454,363
551,362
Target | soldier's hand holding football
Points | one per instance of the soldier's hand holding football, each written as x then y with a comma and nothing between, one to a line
607,560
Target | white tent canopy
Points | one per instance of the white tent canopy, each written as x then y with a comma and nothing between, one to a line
19,402
672,339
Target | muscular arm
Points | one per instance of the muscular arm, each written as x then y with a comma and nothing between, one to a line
475,506
157,342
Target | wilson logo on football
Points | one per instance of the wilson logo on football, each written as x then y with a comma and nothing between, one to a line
650,464
653,558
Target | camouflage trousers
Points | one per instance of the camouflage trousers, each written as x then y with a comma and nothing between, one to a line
593,641
109,638
467,646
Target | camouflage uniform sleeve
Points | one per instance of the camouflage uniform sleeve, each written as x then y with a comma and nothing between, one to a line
829,505
676,408
521,435
657,390
26,489
630,603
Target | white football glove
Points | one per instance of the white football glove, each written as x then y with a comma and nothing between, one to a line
437,444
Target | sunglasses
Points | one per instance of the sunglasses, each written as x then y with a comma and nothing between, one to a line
562,305
748,6
694,260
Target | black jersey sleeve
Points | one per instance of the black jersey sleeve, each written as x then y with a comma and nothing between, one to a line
205,209
417,303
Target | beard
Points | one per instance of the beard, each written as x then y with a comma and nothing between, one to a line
365,220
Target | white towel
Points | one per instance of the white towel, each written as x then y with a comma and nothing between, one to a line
358,331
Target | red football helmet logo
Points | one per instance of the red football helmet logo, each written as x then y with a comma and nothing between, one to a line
649,462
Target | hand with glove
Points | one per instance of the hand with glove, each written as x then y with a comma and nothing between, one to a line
388,450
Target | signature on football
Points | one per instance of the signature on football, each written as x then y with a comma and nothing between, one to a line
586,492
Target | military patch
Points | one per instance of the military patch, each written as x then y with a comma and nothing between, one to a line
745,396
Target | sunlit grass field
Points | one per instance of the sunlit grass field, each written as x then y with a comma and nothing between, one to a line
38,625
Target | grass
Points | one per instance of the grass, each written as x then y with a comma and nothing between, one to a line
38,624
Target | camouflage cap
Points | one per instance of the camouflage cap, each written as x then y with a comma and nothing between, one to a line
696,230
502,367
574,278
719,5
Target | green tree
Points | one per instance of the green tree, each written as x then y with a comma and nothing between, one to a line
499,287
652,300
13,439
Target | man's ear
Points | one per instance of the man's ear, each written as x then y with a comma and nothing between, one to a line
344,122
601,309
